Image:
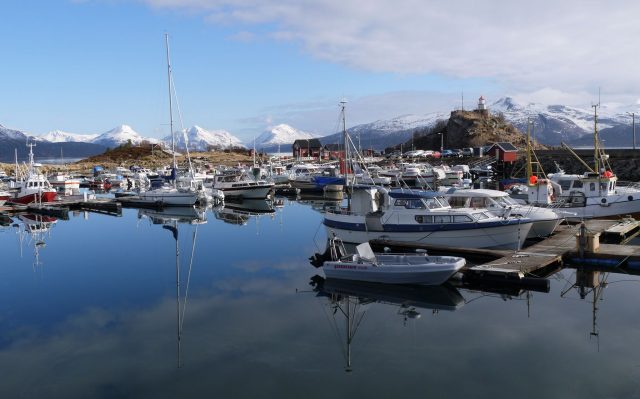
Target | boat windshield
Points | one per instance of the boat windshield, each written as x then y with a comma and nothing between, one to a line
505,201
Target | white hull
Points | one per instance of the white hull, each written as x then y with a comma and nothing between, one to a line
168,197
507,236
256,192
433,270
618,206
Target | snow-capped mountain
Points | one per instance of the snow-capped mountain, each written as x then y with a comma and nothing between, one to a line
555,123
381,134
14,141
59,136
280,134
120,135
200,139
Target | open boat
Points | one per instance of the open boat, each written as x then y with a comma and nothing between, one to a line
406,268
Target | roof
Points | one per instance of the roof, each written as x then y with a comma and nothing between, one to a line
504,146
397,194
311,143
477,192
333,147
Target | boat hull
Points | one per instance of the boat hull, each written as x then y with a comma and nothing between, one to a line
46,196
168,198
253,192
511,236
623,205
430,272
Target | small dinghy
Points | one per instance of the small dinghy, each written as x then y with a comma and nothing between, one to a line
406,268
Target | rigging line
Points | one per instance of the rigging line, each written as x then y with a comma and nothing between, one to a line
186,292
184,133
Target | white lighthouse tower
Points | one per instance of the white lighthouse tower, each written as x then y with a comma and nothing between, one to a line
482,106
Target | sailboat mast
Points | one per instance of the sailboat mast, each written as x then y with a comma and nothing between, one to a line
596,154
529,166
346,151
173,141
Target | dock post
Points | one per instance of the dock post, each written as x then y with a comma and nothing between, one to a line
582,239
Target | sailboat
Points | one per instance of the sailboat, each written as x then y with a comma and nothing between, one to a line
170,195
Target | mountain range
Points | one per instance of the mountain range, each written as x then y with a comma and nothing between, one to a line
552,124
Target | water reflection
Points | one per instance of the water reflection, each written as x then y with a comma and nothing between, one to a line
351,299
240,212
35,230
178,214
170,219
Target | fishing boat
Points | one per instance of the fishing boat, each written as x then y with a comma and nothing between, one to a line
406,268
34,186
594,194
544,220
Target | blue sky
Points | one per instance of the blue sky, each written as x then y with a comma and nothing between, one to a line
86,66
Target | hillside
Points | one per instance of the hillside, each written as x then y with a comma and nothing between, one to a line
465,129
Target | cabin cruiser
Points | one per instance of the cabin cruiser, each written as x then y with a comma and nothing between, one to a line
236,184
544,220
308,177
422,217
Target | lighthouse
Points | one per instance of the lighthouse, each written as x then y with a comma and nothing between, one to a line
482,106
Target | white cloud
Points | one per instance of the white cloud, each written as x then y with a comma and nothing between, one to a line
571,45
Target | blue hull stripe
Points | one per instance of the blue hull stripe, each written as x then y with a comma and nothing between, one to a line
423,227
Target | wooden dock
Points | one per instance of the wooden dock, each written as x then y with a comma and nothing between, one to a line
544,257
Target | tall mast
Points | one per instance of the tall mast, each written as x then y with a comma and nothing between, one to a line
346,150
173,141
596,153
529,165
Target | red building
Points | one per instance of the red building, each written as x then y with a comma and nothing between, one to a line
503,152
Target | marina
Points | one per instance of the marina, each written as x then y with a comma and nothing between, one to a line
124,304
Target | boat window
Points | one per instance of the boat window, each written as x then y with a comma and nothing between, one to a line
458,202
443,202
400,202
441,219
565,184
480,216
432,203
592,186
603,186
477,202
577,184
462,219
415,204
424,218
611,186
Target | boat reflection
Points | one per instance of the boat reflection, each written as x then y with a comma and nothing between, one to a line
320,203
351,299
170,219
35,229
179,214
240,212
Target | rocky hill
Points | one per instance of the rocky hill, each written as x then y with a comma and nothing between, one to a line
466,129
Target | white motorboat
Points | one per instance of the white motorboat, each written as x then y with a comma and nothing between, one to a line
236,184
409,268
544,220
423,217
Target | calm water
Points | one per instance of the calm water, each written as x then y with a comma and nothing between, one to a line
89,309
